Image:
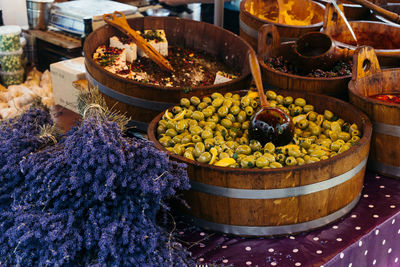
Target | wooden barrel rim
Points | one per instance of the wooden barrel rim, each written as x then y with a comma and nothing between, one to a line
294,76
366,22
262,21
89,60
367,132
353,88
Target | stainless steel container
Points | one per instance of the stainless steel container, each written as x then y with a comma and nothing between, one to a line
38,13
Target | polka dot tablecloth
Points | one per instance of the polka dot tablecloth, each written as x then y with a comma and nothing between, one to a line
368,236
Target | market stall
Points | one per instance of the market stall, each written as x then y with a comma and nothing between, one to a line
172,142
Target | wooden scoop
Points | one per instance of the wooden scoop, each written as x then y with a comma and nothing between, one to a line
269,124
120,23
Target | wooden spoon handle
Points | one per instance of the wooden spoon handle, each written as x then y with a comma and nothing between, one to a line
255,71
120,23
386,13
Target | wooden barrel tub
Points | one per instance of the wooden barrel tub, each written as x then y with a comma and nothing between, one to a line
384,38
352,11
269,46
269,202
250,23
385,143
144,101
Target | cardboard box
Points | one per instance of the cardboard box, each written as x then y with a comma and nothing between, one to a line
63,73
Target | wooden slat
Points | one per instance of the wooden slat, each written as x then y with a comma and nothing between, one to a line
57,38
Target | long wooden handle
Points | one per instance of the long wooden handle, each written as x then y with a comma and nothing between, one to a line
384,12
256,72
120,23
365,62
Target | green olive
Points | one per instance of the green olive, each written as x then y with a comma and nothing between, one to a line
194,100
328,114
234,110
287,100
176,109
257,154
344,148
308,108
275,165
326,124
344,136
223,111
198,115
209,143
207,100
271,95
171,132
291,161
171,124
302,124
207,133
205,157
207,112
291,107
195,130
249,111
245,125
188,113
186,139
296,111
192,123
181,126
227,103
255,145
236,97
318,153
241,117
300,102
196,138
160,129
214,118
315,130
177,139
243,149
178,149
245,101
217,102
188,154
279,99
202,106
262,162
228,95
216,95
281,158
199,148
185,102
247,162
355,132
243,140
294,152
226,123
354,139
219,140
221,129
166,141
269,148
230,117
253,104
300,161
223,155
210,124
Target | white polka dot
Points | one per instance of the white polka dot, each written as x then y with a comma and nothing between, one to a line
271,250
248,262
339,239
202,234
354,216
393,221
365,252
350,264
318,251
360,243
224,246
358,228
335,227
292,237
389,250
297,264
387,196
374,262
377,177
381,186
366,195
201,259
181,233
315,238
295,250
225,261
247,248
383,242
376,232
202,245
341,255
398,232
396,260
274,263
370,206
375,216
392,206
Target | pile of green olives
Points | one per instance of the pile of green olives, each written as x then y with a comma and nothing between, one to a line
215,130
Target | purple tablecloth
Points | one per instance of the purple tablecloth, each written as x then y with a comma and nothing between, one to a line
368,236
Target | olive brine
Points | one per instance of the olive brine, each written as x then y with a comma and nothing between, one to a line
215,130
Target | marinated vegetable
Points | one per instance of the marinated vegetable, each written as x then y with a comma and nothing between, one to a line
206,134
9,38
13,77
11,61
